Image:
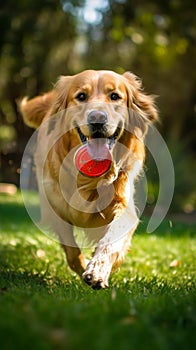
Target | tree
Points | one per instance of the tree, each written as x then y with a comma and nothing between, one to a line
36,45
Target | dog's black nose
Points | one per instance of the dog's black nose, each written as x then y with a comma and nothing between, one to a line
97,117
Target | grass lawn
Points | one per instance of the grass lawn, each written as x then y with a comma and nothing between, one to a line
43,305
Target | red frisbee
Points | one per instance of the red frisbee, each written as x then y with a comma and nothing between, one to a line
91,167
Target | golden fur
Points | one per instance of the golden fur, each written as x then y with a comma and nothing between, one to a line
67,107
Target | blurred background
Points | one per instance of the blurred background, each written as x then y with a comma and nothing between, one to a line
42,39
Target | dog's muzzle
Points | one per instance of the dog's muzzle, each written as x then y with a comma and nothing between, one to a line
99,128
97,123
94,158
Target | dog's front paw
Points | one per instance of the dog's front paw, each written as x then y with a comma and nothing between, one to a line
96,282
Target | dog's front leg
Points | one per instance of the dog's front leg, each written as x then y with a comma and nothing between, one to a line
75,258
110,251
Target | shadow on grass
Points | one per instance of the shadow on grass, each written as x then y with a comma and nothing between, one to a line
13,211
22,280
167,228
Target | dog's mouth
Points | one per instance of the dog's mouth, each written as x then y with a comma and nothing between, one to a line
99,143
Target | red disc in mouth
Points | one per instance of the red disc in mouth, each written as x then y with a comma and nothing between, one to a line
91,167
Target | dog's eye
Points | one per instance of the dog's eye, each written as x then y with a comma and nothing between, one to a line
81,96
114,96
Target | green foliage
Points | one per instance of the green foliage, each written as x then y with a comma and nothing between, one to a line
184,198
150,303
185,167
32,33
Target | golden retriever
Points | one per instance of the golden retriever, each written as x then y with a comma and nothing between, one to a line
108,113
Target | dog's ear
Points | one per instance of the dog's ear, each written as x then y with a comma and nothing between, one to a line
141,106
62,89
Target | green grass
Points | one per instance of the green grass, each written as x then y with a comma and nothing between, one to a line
43,305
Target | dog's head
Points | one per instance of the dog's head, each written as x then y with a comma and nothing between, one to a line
104,106
99,108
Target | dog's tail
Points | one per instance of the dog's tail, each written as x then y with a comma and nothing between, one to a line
34,110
